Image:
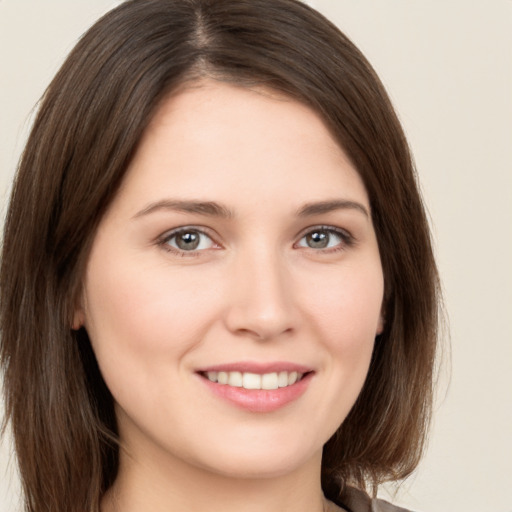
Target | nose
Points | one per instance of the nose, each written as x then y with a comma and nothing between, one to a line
262,302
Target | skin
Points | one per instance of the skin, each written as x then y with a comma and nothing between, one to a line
254,290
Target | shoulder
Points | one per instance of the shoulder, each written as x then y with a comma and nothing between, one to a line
356,500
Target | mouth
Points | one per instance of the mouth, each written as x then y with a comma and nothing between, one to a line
248,380
257,388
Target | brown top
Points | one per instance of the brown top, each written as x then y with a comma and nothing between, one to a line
355,500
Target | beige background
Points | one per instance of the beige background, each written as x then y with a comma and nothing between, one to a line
448,68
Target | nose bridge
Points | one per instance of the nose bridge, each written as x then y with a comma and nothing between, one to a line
262,300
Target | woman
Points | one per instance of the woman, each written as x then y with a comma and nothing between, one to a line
217,283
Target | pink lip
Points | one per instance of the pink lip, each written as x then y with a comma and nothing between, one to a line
254,367
258,400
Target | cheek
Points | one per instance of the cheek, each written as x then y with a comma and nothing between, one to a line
346,313
343,308
346,304
142,325
139,320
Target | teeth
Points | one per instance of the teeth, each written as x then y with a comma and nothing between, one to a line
251,381
282,380
254,380
235,379
269,381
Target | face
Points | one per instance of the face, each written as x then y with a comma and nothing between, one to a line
234,288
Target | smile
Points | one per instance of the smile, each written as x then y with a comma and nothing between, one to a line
260,388
247,380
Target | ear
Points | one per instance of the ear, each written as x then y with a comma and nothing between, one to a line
380,326
78,316
382,322
78,319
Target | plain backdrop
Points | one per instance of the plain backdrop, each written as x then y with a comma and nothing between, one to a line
447,65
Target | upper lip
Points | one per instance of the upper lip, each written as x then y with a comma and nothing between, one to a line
257,367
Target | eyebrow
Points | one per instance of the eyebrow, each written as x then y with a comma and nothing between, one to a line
321,207
213,209
208,208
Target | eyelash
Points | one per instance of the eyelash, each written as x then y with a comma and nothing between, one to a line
347,240
164,240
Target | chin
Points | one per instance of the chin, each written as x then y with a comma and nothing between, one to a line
254,461
259,467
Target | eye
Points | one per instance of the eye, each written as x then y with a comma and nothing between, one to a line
188,240
325,238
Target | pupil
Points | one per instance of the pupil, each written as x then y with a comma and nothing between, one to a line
188,241
318,240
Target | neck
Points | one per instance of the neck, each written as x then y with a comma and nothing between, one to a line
164,486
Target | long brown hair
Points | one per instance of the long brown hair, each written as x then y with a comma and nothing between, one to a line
87,129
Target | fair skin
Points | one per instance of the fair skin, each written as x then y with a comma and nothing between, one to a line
240,244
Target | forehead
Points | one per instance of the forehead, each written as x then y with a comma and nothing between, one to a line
215,139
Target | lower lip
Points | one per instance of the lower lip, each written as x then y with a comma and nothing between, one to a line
259,400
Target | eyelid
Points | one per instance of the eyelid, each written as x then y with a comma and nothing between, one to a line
164,238
346,236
